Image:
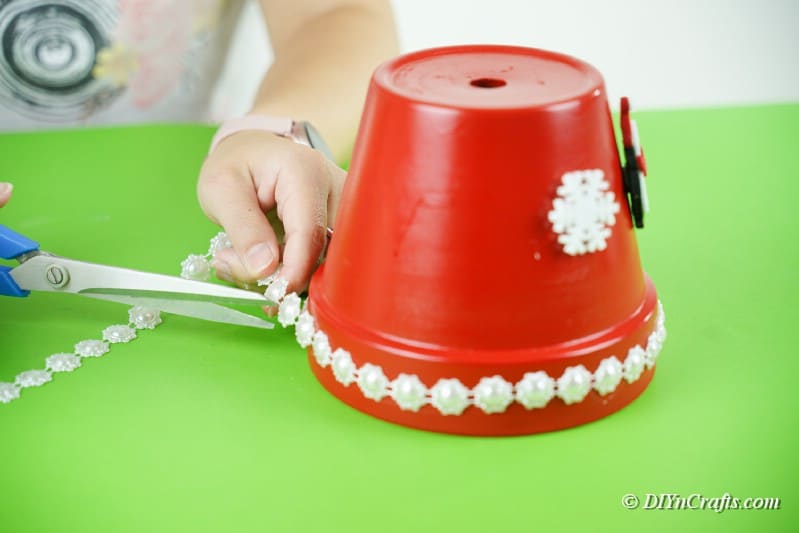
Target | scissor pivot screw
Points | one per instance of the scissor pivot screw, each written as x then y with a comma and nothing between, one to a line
57,276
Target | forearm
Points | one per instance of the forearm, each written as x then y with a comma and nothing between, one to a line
322,69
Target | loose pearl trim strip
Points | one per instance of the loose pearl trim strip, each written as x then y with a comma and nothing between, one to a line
197,267
139,318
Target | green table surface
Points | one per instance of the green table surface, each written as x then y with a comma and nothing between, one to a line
208,427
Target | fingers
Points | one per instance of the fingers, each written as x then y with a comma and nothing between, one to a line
302,194
252,173
5,193
230,200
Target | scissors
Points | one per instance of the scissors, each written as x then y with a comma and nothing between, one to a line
42,271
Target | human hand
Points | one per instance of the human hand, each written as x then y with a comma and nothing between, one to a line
5,193
274,198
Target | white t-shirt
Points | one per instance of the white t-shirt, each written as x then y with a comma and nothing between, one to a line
90,62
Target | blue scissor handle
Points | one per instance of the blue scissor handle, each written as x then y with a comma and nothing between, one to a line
12,245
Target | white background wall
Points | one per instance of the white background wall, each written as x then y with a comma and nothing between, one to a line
661,53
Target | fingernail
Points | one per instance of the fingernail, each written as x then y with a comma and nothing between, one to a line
258,259
5,188
221,267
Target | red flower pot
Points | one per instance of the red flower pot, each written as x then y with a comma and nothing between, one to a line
484,236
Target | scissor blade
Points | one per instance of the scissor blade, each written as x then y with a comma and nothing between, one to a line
79,277
195,309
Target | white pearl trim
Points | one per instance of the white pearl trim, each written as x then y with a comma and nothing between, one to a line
220,241
535,390
195,267
492,394
408,392
140,318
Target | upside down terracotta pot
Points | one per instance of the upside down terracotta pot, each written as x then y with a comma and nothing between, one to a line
484,276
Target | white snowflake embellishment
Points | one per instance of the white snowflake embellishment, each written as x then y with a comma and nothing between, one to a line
583,212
